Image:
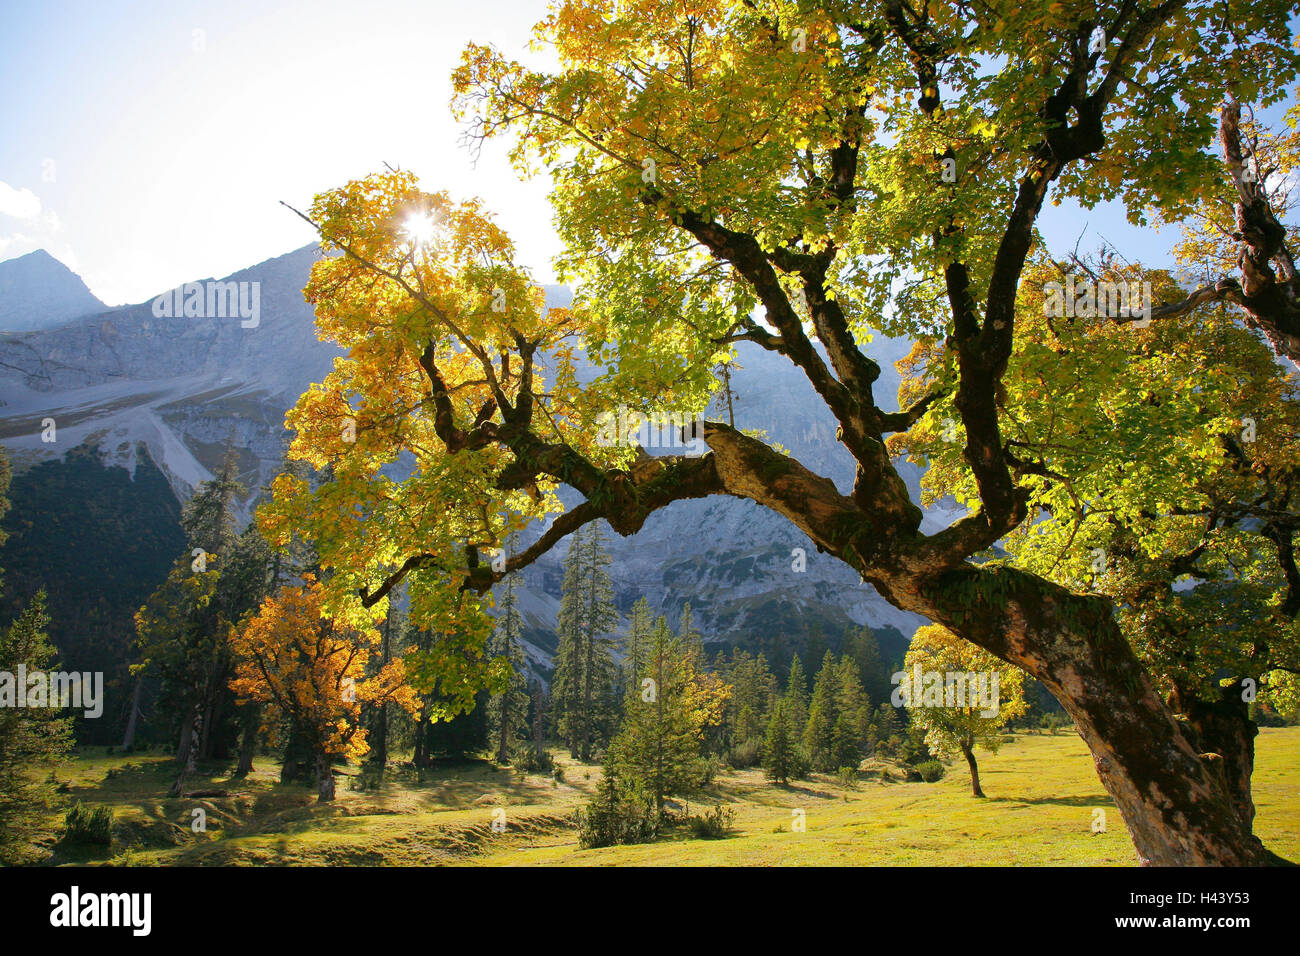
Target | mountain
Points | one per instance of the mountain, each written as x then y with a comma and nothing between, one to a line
38,291
129,383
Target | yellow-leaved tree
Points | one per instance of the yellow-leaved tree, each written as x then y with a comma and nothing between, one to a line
963,696
311,671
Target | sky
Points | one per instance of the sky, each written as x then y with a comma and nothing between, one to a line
150,143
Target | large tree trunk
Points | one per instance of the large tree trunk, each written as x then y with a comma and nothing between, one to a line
379,753
324,778
379,749
1224,727
969,753
1174,798
248,741
133,719
294,757
1173,794
187,736
538,733
503,741
421,756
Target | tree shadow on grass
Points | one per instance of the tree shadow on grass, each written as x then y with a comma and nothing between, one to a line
1098,800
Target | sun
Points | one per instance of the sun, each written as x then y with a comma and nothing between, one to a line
420,227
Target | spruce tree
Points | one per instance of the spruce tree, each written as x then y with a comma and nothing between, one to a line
32,739
819,733
796,692
508,710
636,646
658,748
862,645
782,759
852,712
584,663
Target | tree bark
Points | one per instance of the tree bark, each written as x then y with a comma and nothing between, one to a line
1173,795
969,753
291,768
132,720
187,735
1224,727
248,741
324,778
538,733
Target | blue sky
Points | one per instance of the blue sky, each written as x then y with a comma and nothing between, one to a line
149,143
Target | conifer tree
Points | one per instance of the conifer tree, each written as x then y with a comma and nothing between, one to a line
686,629
861,644
819,733
852,711
782,759
508,709
636,645
32,739
584,664
888,727
658,748
796,692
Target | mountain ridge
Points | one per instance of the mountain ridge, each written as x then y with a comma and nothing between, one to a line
129,383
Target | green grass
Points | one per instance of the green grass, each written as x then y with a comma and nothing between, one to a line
1042,791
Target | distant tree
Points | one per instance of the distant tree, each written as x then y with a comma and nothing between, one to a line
888,728
584,664
852,713
796,692
658,748
753,691
508,708
819,732
636,645
686,629
860,643
782,759
32,739
181,631
302,665
959,728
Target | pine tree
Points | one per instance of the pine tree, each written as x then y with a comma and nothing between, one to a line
508,710
889,729
819,733
182,628
584,664
32,739
658,748
861,644
636,645
686,629
852,712
796,692
782,759
753,691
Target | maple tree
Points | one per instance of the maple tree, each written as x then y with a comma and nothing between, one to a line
309,669
792,175
962,723
1157,458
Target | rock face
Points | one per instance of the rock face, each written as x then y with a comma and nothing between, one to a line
126,381
38,291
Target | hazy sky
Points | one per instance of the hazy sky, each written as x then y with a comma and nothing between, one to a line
149,143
